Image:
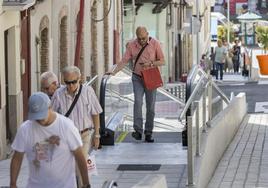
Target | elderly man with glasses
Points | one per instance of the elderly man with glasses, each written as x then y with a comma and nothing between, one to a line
85,113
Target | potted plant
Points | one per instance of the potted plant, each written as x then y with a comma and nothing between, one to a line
262,38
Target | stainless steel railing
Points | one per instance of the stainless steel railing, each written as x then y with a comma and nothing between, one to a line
198,112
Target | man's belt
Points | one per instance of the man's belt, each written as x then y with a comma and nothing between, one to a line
136,74
85,130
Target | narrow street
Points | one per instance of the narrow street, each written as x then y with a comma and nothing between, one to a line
256,94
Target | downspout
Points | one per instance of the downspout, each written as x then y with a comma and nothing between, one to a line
37,49
117,28
106,36
134,19
94,42
79,33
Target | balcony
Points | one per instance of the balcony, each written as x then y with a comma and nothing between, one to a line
159,5
17,5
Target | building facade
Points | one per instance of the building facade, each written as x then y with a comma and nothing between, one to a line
37,36
12,70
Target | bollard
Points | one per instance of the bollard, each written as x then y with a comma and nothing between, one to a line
197,120
190,156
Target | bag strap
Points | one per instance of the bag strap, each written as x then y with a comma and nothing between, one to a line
140,52
74,102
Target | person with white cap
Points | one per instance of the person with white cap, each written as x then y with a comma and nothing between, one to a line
52,144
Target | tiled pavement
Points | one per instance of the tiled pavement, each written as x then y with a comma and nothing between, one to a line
245,162
171,156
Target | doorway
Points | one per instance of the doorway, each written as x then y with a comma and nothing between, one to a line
8,130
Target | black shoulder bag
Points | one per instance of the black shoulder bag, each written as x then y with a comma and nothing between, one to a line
74,102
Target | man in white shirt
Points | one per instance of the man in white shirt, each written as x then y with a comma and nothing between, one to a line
51,143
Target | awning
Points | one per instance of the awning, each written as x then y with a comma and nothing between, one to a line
17,5
248,17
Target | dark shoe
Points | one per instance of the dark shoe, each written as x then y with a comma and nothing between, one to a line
136,135
148,138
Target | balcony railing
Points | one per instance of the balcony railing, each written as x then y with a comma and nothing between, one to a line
17,5
14,1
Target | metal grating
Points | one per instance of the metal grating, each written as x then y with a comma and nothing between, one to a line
138,167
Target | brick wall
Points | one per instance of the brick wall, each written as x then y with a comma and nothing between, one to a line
63,43
44,50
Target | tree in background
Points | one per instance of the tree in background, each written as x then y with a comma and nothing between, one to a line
222,32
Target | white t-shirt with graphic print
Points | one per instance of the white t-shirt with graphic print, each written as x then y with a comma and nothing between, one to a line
50,165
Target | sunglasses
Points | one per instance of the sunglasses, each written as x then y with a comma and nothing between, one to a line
70,82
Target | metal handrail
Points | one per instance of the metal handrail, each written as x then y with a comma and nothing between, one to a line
161,90
167,94
109,184
204,76
125,98
130,118
219,91
92,80
191,98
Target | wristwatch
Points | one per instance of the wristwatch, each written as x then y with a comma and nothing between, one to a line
97,136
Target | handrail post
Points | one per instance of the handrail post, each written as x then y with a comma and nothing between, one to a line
204,107
190,156
209,101
197,128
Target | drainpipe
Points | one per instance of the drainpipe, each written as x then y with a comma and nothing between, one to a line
106,35
228,18
133,19
79,33
37,71
197,34
94,43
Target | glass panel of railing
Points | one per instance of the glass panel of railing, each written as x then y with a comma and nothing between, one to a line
119,97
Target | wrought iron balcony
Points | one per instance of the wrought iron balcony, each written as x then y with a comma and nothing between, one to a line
17,5
159,5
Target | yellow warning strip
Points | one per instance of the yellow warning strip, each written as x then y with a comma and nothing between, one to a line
121,137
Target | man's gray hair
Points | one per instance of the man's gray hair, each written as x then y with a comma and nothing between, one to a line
72,69
50,77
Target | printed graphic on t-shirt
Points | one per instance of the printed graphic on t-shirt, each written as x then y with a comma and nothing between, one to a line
43,153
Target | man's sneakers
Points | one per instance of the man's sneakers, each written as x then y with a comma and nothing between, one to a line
148,138
138,136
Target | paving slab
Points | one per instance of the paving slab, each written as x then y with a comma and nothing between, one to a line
246,165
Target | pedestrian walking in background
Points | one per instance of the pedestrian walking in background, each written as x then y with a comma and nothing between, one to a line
86,110
228,65
236,50
152,55
49,83
220,57
52,144
203,62
212,66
